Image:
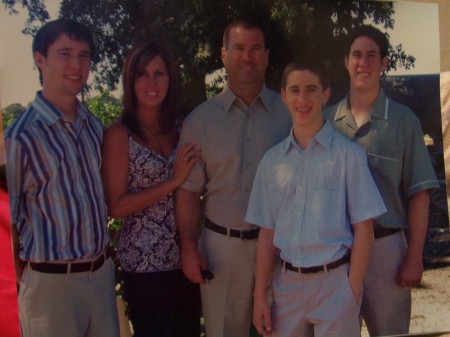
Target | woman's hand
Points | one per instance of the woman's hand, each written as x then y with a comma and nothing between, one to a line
187,155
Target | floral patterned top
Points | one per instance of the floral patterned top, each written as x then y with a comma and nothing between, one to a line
149,241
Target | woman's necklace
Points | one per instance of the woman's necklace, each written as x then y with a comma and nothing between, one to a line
155,141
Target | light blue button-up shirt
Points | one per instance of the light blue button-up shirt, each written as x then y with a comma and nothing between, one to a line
311,197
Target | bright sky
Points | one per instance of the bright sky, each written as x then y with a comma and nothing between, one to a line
19,79
416,28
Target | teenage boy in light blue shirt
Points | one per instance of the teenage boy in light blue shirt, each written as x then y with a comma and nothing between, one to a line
314,199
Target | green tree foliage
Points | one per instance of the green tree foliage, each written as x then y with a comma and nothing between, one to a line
105,107
192,29
11,112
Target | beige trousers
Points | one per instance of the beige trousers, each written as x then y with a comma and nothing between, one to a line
315,305
386,307
227,300
75,305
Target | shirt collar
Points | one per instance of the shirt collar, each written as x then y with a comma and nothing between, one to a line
51,114
324,137
379,109
228,98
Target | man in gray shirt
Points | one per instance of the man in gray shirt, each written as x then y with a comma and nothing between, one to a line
234,129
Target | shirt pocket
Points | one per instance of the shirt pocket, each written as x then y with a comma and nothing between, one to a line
325,209
386,166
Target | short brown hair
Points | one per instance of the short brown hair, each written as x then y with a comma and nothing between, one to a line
311,64
52,30
244,23
370,32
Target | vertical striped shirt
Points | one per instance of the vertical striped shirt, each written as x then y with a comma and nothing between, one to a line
56,194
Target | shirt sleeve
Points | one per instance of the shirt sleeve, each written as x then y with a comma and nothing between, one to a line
363,198
418,173
16,163
258,209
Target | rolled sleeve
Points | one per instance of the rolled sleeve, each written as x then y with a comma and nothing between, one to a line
418,173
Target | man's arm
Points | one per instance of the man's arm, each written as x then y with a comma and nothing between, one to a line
411,270
187,213
362,245
16,163
18,263
266,254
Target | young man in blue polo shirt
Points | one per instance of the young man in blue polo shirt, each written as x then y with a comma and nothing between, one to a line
392,137
314,199
57,205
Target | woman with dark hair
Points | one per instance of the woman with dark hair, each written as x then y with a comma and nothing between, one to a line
141,169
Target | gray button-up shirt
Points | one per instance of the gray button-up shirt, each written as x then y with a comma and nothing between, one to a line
396,151
233,138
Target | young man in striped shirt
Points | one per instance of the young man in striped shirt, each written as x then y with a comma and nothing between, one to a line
58,211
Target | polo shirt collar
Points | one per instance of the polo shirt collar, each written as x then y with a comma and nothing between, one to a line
51,114
379,109
227,97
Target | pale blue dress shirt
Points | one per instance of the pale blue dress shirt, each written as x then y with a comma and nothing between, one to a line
311,197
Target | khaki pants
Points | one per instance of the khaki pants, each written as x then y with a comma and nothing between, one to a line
228,300
386,307
315,305
75,305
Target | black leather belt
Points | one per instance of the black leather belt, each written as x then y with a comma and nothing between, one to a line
309,270
236,233
382,232
70,267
